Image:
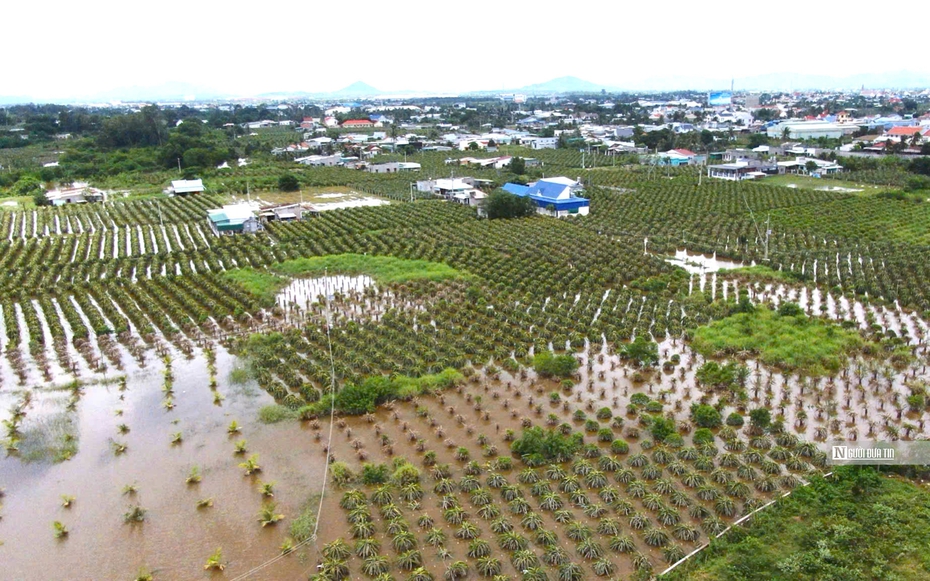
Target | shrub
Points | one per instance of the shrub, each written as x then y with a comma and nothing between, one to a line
619,447
642,351
375,473
735,420
288,183
548,364
661,427
705,416
272,414
549,444
702,436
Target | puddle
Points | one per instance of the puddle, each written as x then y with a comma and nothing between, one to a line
701,263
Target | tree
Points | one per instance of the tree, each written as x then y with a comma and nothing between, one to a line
39,199
518,165
549,365
502,204
643,351
705,416
760,418
757,139
661,428
288,183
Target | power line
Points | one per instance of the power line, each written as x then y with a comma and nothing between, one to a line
332,414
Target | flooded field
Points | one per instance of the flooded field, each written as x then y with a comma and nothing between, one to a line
176,536
139,425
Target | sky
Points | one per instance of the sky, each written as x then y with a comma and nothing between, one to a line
67,49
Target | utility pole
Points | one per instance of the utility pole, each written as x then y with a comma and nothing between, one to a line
768,232
179,166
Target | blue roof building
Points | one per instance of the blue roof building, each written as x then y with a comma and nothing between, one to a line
553,196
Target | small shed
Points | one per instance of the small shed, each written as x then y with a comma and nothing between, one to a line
185,187
233,219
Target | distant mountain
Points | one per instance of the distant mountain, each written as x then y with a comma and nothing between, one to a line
564,85
357,89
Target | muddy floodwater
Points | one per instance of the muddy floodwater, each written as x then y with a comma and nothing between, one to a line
176,537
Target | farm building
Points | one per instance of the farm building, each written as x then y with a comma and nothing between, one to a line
358,123
553,196
811,130
393,167
286,213
185,187
544,143
76,194
736,171
233,219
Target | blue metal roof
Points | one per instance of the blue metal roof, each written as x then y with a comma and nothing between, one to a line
515,189
545,189
543,194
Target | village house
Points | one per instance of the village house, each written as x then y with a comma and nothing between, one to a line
358,124
554,196
676,157
78,193
907,135
544,143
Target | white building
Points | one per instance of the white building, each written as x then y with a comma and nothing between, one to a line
545,143
78,193
185,187
811,130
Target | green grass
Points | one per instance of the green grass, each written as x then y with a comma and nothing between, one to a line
384,269
52,438
764,273
857,525
813,345
260,283
265,284
272,414
302,526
